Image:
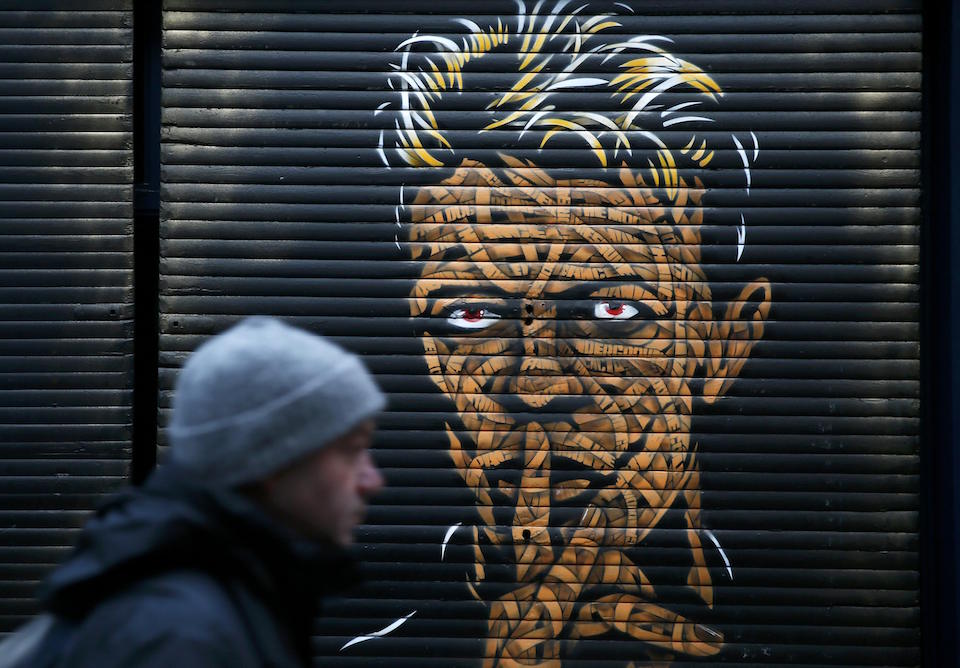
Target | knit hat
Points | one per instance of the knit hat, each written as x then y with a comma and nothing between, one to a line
261,395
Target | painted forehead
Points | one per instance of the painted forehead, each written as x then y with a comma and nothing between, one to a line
523,217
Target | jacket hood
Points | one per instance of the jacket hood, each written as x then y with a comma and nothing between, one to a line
176,521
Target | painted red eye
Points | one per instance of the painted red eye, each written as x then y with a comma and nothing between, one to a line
613,311
472,317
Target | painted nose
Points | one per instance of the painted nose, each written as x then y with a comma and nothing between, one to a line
540,377
531,514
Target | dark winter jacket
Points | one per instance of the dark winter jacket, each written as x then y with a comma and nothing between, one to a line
176,574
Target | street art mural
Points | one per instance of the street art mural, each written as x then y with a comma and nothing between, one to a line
568,318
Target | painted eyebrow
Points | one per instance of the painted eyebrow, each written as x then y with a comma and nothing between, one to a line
576,290
646,292
586,289
485,290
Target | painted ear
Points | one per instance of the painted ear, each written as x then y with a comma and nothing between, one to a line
734,337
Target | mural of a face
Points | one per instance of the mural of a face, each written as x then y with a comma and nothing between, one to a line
572,326
570,322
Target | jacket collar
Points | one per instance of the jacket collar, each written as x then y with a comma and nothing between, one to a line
177,521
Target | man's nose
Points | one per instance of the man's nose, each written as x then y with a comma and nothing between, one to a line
370,480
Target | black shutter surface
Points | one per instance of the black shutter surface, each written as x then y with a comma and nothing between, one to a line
66,219
633,420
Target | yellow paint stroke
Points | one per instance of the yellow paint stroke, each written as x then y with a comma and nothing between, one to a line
669,169
563,124
700,151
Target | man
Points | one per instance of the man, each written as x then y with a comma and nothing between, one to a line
567,315
220,559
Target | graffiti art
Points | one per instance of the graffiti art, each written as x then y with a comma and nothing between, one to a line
565,312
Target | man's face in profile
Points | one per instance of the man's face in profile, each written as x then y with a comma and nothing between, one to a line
572,326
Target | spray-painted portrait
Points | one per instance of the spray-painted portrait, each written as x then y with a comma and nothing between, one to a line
564,311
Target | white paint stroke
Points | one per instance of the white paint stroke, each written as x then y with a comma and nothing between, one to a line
405,95
678,107
533,119
390,628
554,14
396,240
381,107
521,15
402,155
756,146
596,19
640,42
380,150
436,39
743,159
627,7
650,96
575,83
600,119
741,237
469,25
722,553
685,119
446,539
536,9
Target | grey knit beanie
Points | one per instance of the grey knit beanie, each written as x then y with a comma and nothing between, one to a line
262,394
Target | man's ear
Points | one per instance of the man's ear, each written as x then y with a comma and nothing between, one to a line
733,338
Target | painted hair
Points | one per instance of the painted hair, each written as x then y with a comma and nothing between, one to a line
556,51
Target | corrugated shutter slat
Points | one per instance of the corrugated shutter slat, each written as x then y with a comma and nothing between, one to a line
66,330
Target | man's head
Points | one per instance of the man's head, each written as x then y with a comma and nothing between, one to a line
324,494
285,414
568,316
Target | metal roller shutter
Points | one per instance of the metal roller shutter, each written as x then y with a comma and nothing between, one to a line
641,280
65,278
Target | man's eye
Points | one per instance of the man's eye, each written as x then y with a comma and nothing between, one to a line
613,311
472,317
